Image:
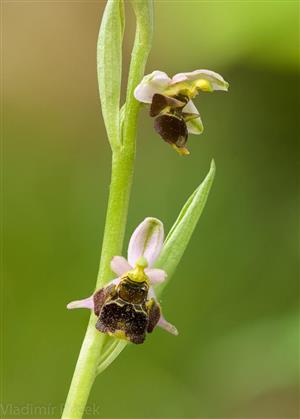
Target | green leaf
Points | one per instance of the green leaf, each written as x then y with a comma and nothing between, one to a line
173,249
109,67
182,230
113,352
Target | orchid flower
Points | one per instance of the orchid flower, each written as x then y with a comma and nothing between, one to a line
127,307
172,105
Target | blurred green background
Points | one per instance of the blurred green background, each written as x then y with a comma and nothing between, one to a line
235,295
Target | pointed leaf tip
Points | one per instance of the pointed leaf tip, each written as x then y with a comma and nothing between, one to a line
183,228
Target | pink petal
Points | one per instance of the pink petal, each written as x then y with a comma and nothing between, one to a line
119,265
156,276
115,281
216,80
164,324
155,82
86,303
146,241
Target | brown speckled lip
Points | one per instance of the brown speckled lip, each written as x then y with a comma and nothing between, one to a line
116,316
172,129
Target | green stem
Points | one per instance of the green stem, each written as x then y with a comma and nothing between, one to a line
142,44
115,224
90,353
85,373
120,187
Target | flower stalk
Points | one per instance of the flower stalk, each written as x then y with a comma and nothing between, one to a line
121,180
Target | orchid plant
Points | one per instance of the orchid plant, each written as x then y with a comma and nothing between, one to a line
126,308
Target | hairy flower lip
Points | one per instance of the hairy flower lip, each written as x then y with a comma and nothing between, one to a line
146,242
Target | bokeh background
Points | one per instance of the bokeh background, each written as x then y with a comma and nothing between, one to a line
235,296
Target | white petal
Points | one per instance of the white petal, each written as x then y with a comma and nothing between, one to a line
194,126
155,82
119,265
156,276
216,80
86,303
146,241
164,324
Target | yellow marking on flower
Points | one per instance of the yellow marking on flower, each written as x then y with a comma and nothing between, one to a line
203,85
181,88
138,273
119,334
183,151
142,262
189,89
